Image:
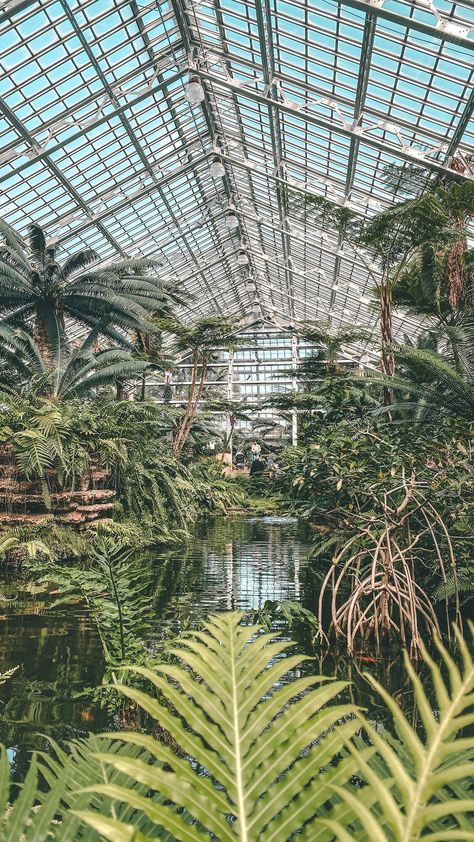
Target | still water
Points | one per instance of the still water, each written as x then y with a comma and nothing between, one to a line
233,563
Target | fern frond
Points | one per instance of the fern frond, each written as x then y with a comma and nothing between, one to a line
418,796
265,759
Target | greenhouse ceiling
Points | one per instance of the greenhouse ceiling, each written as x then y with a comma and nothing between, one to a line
175,130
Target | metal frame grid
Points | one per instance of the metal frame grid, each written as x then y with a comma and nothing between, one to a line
99,144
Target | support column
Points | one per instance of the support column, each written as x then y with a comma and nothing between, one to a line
294,385
230,398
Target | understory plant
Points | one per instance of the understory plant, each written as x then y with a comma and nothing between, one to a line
244,755
115,585
393,508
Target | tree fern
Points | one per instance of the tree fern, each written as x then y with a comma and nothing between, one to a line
251,765
425,790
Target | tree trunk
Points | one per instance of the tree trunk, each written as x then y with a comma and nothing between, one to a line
457,277
458,280
192,407
386,331
176,447
40,336
228,440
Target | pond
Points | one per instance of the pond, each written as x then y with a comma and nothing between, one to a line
231,563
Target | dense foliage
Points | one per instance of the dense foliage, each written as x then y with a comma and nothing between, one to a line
240,762
383,474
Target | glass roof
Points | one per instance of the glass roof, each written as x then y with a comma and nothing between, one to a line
100,145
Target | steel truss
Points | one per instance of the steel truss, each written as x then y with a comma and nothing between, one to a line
99,144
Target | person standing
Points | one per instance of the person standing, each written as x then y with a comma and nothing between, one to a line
256,450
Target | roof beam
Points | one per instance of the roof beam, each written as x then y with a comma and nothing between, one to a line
116,112
361,93
215,132
264,23
324,123
376,8
12,118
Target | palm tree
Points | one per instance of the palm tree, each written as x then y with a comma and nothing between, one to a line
327,393
397,239
36,288
200,341
64,375
431,385
235,411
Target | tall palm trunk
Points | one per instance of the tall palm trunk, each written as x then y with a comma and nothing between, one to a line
386,335
458,279
41,337
232,420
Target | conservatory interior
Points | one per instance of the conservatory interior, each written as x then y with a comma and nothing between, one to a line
236,420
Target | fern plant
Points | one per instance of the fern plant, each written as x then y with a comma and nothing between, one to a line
243,756
247,764
422,789
115,590
243,752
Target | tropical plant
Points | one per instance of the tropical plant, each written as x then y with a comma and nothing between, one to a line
64,374
53,444
115,586
430,384
242,754
149,347
34,285
440,282
200,341
39,816
233,749
328,391
22,820
393,510
235,411
217,494
420,788
392,242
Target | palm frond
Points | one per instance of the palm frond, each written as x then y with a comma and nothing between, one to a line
78,261
37,241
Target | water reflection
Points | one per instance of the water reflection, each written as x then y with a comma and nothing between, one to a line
235,565
229,564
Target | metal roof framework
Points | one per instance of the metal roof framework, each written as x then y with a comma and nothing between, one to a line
99,144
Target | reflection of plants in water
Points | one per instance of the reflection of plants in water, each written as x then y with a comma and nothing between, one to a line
292,613
245,755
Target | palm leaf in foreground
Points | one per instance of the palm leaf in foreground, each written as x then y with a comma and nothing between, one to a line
24,820
425,792
262,761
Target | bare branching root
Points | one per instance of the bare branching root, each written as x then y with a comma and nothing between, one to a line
372,587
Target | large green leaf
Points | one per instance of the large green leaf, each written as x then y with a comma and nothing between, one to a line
244,762
425,789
